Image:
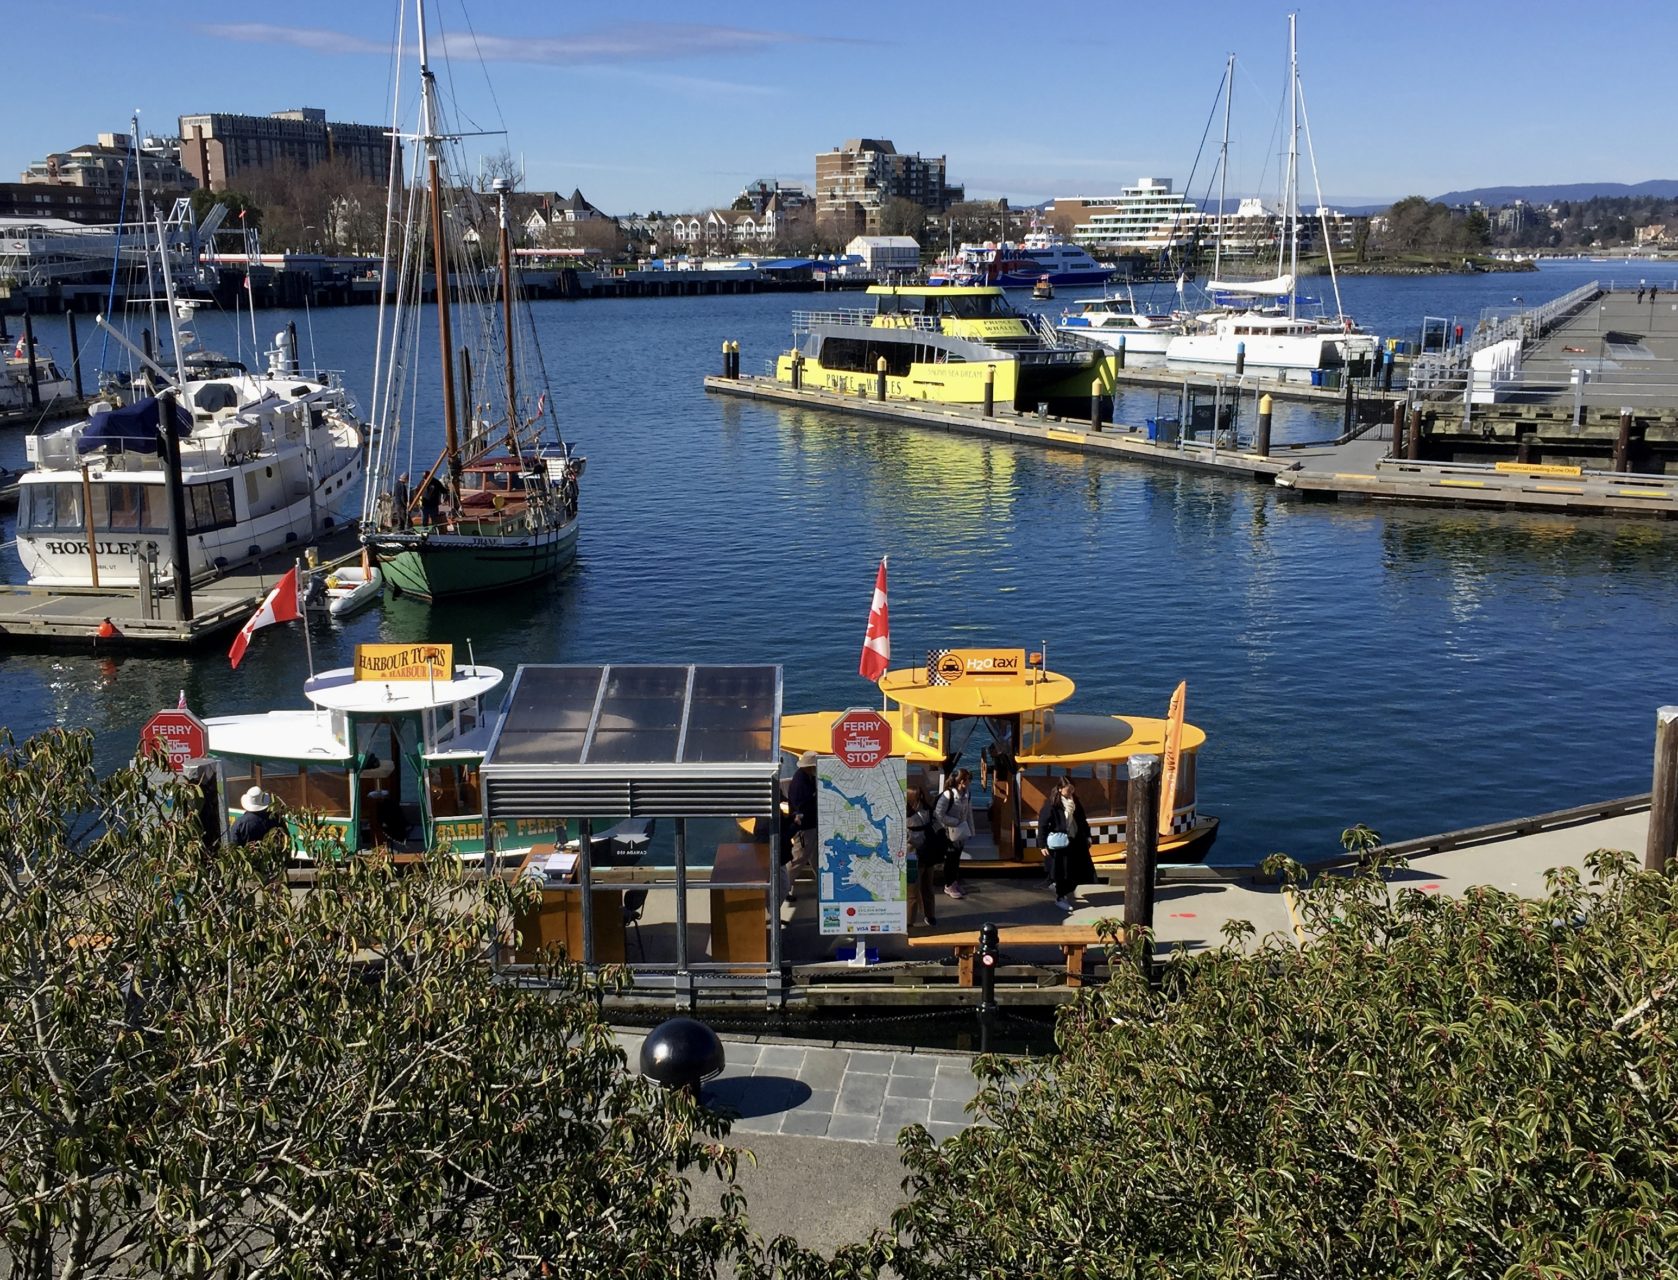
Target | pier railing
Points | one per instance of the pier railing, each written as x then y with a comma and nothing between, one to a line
1445,369
804,321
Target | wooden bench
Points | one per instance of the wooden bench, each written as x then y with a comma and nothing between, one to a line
1072,939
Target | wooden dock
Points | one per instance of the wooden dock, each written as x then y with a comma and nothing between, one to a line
34,617
1351,468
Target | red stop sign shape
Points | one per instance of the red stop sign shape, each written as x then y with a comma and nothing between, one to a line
181,734
861,738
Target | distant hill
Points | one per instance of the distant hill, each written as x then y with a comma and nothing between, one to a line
1665,188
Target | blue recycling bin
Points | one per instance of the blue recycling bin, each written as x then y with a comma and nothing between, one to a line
1316,377
1153,429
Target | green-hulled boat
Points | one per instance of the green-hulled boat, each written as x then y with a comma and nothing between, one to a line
499,510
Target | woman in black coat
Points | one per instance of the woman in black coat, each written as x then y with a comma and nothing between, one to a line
1072,866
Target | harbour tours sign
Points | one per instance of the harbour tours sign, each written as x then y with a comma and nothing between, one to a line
862,875
404,661
975,666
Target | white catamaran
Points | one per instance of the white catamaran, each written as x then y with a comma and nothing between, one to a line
498,507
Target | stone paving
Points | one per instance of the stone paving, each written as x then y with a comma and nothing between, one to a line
847,1094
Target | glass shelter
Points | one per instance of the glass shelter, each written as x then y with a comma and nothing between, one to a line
661,785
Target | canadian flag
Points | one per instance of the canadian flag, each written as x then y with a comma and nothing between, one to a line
876,644
280,605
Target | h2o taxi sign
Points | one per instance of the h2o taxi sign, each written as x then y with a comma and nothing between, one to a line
861,738
181,734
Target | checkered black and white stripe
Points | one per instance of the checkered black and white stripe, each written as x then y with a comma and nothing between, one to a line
933,657
1111,830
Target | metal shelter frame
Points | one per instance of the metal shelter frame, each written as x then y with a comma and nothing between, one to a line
645,741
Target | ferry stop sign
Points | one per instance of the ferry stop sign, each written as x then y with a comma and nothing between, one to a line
862,738
181,734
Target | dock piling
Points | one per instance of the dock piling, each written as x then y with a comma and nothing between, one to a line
1663,796
1413,437
34,369
880,380
990,391
1348,409
75,350
1261,442
1095,405
1118,353
180,565
1141,834
1622,442
1398,430
727,360
1240,359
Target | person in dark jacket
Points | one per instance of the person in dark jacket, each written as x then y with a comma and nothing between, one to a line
258,819
1063,815
801,820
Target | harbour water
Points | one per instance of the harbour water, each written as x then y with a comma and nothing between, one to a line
1412,669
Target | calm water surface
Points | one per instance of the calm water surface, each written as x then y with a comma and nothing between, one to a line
1416,670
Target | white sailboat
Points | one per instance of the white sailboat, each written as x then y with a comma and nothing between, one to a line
1260,322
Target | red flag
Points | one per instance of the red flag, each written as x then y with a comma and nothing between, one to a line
279,606
876,644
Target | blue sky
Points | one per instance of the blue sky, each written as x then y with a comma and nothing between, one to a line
679,105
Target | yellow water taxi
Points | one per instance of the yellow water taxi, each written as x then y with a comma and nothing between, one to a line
940,343
1026,741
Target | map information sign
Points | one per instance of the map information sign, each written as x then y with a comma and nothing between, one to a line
863,877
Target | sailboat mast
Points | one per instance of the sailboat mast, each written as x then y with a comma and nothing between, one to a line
439,259
1293,165
1223,169
502,187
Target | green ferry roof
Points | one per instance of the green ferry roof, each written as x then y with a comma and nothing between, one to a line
937,290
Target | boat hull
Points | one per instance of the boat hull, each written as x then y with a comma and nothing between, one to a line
438,565
1290,352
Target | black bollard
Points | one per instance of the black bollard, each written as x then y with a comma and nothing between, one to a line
75,350
34,369
1120,352
1240,359
1622,442
990,391
682,1053
1095,405
880,380
181,567
727,361
990,952
734,360
1261,442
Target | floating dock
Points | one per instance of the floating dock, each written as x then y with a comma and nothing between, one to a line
36,617
1355,467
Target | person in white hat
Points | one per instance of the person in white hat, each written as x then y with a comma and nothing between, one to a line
258,819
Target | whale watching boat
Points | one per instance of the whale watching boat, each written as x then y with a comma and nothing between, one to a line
510,495
1042,255
1014,708
268,461
938,342
386,755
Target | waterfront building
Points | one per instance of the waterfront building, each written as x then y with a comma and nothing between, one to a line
105,164
1147,217
855,182
885,255
222,150
787,197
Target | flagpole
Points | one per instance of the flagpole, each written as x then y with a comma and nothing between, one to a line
303,617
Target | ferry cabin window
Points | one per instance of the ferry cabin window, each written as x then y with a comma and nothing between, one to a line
454,791
209,506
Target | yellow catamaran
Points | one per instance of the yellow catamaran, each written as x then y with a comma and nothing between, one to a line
936,710
941,343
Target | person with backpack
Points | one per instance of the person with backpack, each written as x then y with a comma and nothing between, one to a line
954,814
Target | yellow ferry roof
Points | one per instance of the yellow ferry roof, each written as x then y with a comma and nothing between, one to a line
937,290
971,697
1086,739
813,731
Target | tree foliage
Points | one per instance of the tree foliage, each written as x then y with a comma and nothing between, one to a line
207,1073
1472,1087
